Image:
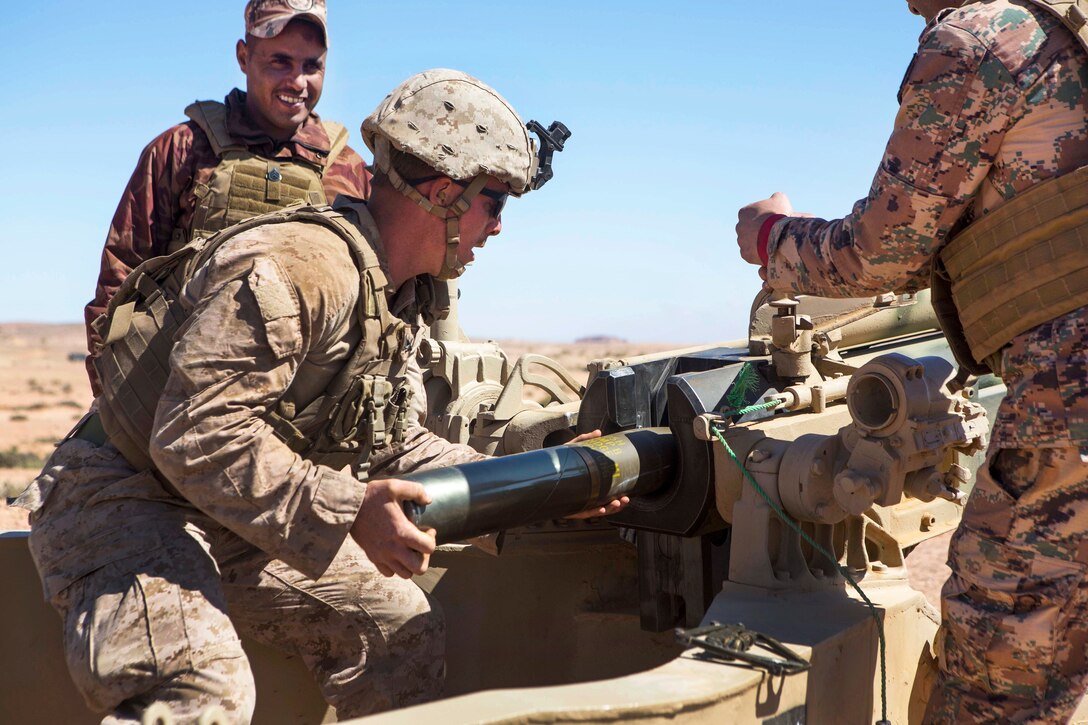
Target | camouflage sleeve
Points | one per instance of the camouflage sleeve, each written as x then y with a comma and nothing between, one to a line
347,175
955,107
421,449
144,221
270,299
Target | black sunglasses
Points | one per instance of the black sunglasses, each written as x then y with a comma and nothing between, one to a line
499,197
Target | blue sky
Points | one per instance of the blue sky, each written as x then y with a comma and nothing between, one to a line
681,112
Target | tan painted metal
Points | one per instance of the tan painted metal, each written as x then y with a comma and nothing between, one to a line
559,605
832,629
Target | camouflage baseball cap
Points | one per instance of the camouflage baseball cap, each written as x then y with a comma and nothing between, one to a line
268,18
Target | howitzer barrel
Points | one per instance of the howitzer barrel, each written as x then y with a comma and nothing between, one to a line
501,493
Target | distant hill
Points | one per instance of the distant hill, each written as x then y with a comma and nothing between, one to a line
600,340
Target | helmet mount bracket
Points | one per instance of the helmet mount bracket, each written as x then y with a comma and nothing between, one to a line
552,139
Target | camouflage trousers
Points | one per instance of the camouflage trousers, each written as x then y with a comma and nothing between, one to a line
159,619
1013,643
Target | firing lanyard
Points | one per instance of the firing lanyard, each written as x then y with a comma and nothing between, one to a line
717,431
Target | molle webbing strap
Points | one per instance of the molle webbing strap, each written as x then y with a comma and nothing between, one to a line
245,185
211,117
1023,264
113,324
1072,13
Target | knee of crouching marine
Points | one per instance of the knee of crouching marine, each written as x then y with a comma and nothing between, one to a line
422,629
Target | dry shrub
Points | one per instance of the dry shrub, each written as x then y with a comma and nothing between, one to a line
15,458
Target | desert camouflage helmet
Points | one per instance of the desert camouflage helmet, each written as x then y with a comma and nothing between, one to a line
456,124
463,129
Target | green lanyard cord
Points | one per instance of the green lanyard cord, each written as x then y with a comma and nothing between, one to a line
824,552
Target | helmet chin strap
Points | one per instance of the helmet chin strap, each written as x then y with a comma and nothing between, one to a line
451,213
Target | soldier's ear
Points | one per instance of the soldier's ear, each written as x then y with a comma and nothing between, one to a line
441,192
241,52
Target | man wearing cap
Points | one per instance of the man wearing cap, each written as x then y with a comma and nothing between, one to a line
254,407
259,150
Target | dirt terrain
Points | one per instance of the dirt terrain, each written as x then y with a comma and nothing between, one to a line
42,394
44,391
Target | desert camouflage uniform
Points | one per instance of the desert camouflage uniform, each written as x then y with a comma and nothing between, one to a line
995,101
161,196
154,588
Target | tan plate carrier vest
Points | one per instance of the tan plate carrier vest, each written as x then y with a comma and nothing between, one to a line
245,185
358,412
1024,263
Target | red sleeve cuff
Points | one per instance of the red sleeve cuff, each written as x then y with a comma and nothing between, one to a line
765,237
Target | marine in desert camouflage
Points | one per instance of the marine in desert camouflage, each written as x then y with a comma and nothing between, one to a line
260,497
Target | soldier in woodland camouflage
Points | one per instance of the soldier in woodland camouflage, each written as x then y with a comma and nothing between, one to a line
187,181
269,504
994,104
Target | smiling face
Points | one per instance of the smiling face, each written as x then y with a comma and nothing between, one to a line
284,76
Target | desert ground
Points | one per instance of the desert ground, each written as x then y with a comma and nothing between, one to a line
44,391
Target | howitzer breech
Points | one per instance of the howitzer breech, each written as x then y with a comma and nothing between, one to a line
501,493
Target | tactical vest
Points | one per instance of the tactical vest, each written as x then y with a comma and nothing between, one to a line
359,411
245,185
1024,263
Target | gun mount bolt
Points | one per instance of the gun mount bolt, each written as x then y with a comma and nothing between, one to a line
784,306
957,475
852,482
847,482
927,522
818,467
758,455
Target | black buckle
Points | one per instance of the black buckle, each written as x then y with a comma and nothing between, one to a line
733,643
